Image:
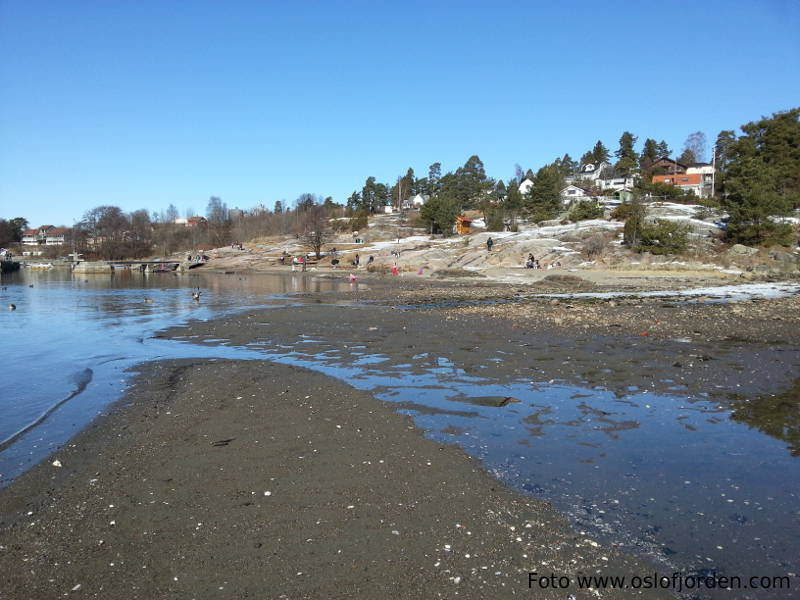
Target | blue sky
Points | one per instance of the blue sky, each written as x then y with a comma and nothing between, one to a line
146,103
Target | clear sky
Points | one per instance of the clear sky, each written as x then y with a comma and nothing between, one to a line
150,102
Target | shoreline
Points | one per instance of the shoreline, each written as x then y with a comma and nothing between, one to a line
218,479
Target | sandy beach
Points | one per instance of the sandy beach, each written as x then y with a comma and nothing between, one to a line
255,480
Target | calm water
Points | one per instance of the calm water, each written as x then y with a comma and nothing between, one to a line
678,479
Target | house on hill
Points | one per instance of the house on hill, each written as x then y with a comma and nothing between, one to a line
525,186
573,192
666,165
697,178
687,182
46,235
417,201
590,172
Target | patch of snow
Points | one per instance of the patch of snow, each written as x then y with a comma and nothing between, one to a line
745,291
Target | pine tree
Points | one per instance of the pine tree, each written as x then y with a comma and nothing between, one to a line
600,152
434,178
763,178
626,153
649,154
544,201
663,150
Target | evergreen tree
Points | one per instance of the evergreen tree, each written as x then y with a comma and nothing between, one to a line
600,152
662,149
649,154
278,207
587,158
763,178
687,157
568,166
544,200
722,148
354,202
722,155
439,214
434,178
626,154
372,196
468,184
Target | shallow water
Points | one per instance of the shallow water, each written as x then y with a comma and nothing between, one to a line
698,486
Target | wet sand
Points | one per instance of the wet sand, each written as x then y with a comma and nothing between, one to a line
165,496
218,479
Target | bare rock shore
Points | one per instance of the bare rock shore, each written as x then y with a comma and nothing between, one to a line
223,479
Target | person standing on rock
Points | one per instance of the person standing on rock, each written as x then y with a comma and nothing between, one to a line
489,244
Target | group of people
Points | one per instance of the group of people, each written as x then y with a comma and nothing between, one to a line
237,246
532,263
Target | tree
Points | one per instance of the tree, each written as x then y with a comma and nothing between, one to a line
6,233
567,166
354,202
374,196
687,157
434,178
106,228
722,155
278,207
305,202
626,154
216,211
544,200
696,143
633,213
649,154
763,179
439,214
18,225
722,148
600,152
663,237
585,210
315,228
171,214
468,184
662,149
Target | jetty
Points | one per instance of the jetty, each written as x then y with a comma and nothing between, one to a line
136,266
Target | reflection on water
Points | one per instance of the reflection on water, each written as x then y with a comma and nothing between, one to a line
683,479
776,415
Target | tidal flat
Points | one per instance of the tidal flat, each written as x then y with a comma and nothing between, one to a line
374,445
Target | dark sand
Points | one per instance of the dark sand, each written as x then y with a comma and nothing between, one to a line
255,480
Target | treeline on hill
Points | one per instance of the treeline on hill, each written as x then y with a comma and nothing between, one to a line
758,179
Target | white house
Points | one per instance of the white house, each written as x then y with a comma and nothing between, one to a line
699,169
525,186
46,235
590,171
572,192
416,201
615,184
